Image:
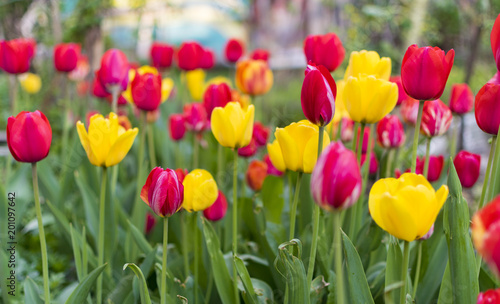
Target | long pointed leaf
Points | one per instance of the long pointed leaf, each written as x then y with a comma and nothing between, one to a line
79,295
251,297
143,287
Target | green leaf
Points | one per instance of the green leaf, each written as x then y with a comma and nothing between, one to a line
90,204
318,287
31,292
48,181
249,295
79,295
393,272
446,289
272,198
141,242
76,253
143,287
432,276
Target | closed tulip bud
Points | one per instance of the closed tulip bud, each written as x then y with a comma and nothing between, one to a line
436,118
326,50
163,192
390,132
66,56
176,126
218,210
161,55
207,60
260,134
436,164
232,126
318,95
254,77
347,129
114,69
409,111
461,99
195,117
189,56
336,178
181,174
146,91
16,55
106,142
271,169
373,163
401,90
233,50
495,41
150,223
29,136
486,233
31,83
468,166
491,296
216,95
425,70
369,99
405,207
256,174
200,190
487,108
82,69
370,64
260,54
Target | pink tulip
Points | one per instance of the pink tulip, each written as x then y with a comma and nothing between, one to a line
390,132
436,118
468,166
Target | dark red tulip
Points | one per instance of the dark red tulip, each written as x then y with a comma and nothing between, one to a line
468,166
216,95
461,99
326,50
66,56
189,56
146,91
150,222
495,41
256,174
161,55
390,132
207,60
218,210
114,69
195,117
401,91
491,296
163,192
16,55
436,118
373,163
29,136
487,108
177,127
234,50
248,150
271,169
436,164
260,134
260,54
425,70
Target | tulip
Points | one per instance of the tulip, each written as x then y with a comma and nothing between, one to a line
249,150
163,192
436,164
487,108
161,55
271,169
491,296
425,70
486,233
260,134
114,69
390,132
253,77
436,118
366,136
106,142
409,111
260,54
368,99
326,50
340,111
336,178
66,56
29,136
177,127
189,56
368,63
276,156
298,143
468,166
318,95
495,41
218,210
347,129
207,60
401,90
256,174
146,91
405,207
373,163
195,117
461,99
200,190
181,174
150,223
31,83
195,80
233,50
16,55
98,89
81,70
216,95
232,126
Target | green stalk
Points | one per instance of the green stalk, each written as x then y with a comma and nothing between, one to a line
196,151
494,169
454,136
65,128
338,257
360,146
417,272
138,212
115,92
100,246
487,175
220,164
43,244
151,145
196,256
235,224
293,207
427,152
404,271
185,253
163,294
415,137
389,161
355,139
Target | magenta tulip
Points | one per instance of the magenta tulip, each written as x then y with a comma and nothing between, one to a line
468,166
218,210
390,132
114,69
436,118
163,192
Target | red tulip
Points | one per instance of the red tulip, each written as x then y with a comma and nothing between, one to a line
114,69
486,233
401,91
318,95
326,50
271,169
425,70
256,174
390,132
495,41
181,174
163,192
207,60
16,55
218,210
66,56
248,150
491,296
177,127
216,95
260,54
29,136
195,117
189,56
487,108
436,118
260,134
347,129
436,164
150,223
161,55
495,79
468,166
409,110
336,178
146,91
461,99
373,163
234,50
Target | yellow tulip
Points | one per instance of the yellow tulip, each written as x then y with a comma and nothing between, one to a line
232,126
195,81
406,207
219,80
276,156
167,84
31,83
368,99
200,190
298,143
369,63
253,77
107,142
340,110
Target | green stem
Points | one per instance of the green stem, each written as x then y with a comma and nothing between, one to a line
138,212
417,272
115,93
185,253
293,207
427,156
415,137
196,256
487,175
454,136
235,224
65,128
355,138
196,151
43,244
163,294
151,146
359,147
404,271
389,161
220,164
338,257
100,246
494,169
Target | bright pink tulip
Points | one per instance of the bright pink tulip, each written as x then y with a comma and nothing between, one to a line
256,174
461,99
16,55
208,59
260,134
98,90
234,50
146,91
66,56
161,55
409,110
195,117
248,150
436,164
163,192
326,50
487,108
436,118
373,163
218,210
260,54
491,296
271,169
495,41
177,127
366,134
216,95
318,95
401,90
468,166
486,233
189,56
390,132
114,69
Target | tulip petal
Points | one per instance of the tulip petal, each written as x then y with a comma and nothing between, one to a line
120,147
245,129
84,140
398,219
310,155
276,156
222,128
290,151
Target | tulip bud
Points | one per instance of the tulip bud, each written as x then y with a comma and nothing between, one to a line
436,118
233,50
29,136
401,91
189,56
461,99
326,50
409,110
260,134
347,129
271,169
260,54
336,178
373,163
436,164
487,108
486,233
16,55
161,55
177,127
368,63
195,117
218,210
200,190
31,83
491,296
468,166
248,150
66,56
150,223
216,95
256,174
146,91
232,126
253,77
207,60
318,95
390,132
114,68
163,192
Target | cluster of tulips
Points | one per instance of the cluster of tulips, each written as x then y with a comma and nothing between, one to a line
366,106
